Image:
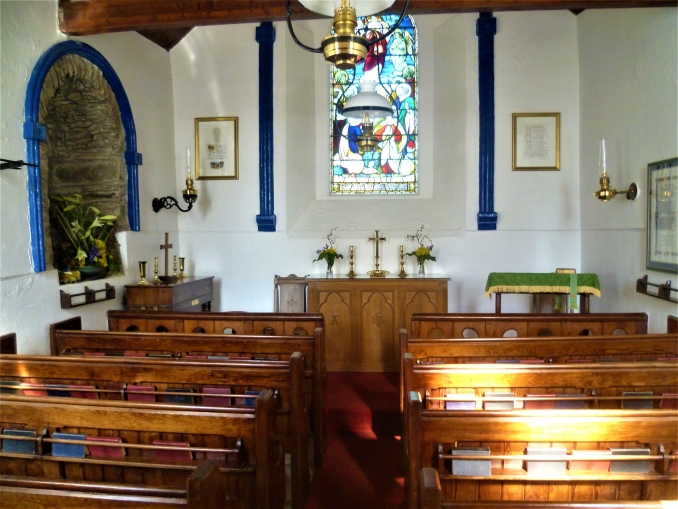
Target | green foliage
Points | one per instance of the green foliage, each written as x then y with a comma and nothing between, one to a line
86,229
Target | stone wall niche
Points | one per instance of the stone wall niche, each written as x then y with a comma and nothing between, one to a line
85,147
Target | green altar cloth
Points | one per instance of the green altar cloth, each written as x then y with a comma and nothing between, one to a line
530,282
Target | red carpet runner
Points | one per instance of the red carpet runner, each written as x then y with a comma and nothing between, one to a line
361,467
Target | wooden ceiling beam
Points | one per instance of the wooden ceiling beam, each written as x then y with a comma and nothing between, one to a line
88,17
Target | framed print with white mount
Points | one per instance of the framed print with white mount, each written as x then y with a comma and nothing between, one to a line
662,215
536,141
216,148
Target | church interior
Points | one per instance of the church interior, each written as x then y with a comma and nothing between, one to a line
229,200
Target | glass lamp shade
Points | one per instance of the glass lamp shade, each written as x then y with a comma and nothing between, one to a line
362,7
367,103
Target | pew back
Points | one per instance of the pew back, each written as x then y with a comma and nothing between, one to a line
469,325
604,421
204,490
115,375
254,475
67,338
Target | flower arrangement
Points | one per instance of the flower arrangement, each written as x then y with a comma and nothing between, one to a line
87,231
423,252
328,252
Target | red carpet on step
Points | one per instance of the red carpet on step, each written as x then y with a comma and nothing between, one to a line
361,468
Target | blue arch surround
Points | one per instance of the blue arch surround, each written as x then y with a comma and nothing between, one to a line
34,133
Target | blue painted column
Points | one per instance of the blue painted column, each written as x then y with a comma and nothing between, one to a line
486,28
266,37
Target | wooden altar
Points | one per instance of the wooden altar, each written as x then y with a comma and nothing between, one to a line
363,316
187,294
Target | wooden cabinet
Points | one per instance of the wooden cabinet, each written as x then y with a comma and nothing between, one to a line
188,294
363,316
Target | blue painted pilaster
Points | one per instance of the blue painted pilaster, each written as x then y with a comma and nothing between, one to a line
265,36
486,28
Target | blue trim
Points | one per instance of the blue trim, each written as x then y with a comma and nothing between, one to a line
486,29
265,36
35,133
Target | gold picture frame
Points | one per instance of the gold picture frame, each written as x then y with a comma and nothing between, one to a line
216,148
536,141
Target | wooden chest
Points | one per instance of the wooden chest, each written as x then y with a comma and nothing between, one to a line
188,294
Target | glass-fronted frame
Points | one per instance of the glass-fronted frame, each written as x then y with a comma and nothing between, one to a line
392,169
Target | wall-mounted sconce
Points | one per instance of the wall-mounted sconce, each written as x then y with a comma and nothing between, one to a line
7,164
605,193
190,194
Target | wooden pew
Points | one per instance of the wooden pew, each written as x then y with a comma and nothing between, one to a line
204,490
8,343
608,380
115,373
242,442
672,324
67,337
239,322
242,325
435,430
431,498
547,349
454,325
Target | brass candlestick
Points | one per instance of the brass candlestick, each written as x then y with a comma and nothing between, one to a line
156,279
175,266
142,274
182,260
402,272
351,273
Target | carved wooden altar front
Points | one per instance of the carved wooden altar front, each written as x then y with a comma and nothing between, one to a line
364,315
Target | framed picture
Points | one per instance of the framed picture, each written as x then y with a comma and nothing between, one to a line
216,148
536,141
662,215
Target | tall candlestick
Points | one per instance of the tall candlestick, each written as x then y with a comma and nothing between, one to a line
602,156
188,163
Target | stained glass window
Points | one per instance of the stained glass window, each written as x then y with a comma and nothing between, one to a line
393,167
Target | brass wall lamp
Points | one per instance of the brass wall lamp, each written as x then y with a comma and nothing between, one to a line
605,193
190,194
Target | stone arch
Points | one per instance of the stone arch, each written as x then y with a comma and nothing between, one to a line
44,78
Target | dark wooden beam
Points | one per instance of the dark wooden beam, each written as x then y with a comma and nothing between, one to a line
165,38
89,17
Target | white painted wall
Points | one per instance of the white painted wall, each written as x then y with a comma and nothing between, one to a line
214,74
628,78
29,302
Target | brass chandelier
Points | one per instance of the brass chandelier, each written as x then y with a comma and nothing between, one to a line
344,48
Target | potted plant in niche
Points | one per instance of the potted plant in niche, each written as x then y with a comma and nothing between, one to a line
86,255
329,253
423,252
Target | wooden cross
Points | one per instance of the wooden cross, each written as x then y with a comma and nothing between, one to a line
166,247
376,240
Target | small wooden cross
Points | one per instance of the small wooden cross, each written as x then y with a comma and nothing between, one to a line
376,240
166,247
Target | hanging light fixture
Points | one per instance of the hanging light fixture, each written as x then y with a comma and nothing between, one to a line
367,105
344,48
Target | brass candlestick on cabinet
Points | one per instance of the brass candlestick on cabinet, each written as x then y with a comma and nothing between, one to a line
156,279
175,266
182,261
351,273
402,272
142,274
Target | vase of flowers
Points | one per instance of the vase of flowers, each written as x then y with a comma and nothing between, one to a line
87,254
329,253
423,252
